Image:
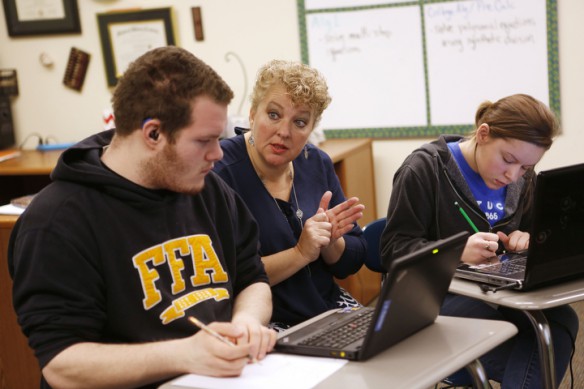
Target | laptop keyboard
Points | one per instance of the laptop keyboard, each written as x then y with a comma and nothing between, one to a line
508,267
341,336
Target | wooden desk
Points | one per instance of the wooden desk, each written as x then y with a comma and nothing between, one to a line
531,303
424,358
26,174
353,160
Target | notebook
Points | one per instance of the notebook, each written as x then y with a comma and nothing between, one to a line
555,249
410,300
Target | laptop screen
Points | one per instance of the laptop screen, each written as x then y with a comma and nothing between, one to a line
558,224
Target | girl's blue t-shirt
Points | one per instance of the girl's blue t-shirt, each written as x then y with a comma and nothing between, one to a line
491,201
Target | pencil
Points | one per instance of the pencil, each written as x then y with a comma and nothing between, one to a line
463,212
216,335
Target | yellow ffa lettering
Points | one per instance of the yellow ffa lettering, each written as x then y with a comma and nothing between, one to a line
149,276
176,264
205,261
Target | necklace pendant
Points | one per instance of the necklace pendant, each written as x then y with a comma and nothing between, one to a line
299,213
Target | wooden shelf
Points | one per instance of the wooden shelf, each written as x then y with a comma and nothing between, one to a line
26,174
30,162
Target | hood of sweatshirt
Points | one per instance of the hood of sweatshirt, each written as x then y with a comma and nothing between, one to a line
81,164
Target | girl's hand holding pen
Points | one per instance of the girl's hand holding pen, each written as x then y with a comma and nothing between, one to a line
480,247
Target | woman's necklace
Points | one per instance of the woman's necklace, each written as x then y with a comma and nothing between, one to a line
299,213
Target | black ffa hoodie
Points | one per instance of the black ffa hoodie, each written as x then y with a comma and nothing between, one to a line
98,258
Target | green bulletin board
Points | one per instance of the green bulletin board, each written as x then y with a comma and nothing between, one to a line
421,68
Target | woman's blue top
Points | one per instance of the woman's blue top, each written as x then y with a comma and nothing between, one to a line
312,290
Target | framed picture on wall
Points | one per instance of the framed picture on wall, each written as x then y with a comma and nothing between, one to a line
33,17
127,35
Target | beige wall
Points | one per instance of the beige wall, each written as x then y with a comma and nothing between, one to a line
257,30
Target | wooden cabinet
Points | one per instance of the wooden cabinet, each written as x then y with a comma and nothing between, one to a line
18,366
353,160
26,174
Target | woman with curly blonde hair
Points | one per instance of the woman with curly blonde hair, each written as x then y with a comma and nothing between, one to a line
308,230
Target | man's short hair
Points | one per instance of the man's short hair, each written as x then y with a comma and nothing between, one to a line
162,84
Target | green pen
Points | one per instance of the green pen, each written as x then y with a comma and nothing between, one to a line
466,217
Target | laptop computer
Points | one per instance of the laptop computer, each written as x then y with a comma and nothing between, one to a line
410,300
555,249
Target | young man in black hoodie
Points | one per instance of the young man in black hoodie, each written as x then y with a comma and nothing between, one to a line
135,235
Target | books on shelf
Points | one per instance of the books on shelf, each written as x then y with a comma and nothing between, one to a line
9,154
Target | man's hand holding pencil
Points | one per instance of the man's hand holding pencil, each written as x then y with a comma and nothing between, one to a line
233,344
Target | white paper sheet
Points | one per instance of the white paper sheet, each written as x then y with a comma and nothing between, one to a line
10,209
276,370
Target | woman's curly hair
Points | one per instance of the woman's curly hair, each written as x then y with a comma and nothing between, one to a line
305,85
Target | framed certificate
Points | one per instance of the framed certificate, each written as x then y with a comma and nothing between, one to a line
41,17
127,35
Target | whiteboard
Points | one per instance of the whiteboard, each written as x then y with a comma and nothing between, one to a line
323,4
406,69
354,51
